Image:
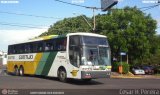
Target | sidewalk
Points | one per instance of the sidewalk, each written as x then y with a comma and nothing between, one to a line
130,75
3,71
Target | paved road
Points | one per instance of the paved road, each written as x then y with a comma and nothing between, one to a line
32,82
29,82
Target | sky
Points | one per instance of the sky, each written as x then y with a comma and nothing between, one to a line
24,19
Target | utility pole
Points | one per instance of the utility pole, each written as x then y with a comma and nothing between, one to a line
94,20
94,17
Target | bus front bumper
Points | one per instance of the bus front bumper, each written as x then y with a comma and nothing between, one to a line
95,74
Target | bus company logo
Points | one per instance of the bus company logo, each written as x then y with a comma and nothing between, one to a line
9,1
4,91
25,56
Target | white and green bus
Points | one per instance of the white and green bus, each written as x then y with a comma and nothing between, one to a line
74,55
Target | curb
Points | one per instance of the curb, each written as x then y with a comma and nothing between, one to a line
125,77
134,77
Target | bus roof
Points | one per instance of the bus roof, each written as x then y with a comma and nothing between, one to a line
85,34
60,36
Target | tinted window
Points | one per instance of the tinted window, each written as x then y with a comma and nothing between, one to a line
74,40
48,45
21,48
58,44
74,50
10,49
94,40
28,48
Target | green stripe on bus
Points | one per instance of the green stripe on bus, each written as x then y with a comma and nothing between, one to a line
49,63
42,63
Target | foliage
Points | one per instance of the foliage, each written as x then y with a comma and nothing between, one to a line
155,57
125,66
115,66
74,24
129,30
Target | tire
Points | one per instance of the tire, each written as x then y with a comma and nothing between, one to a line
21,71
16,71
62,75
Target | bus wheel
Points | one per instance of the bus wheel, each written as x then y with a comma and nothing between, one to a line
21,71
16,71
62,75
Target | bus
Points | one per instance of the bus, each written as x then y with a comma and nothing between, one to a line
83,56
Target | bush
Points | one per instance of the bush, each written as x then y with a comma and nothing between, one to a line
157,70
115,66
125,66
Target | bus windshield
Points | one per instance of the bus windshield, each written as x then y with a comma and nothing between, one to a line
93,55
95,51
89,50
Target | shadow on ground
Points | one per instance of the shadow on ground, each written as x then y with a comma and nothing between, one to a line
69,81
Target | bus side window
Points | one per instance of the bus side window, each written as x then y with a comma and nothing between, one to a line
39,46
61,44
21,48
10,49
28,48
14,50
48,45
74,51
64,43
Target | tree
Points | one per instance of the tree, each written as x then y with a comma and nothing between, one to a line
155,49
129,30
74,24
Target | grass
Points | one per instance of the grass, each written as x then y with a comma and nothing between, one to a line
157,74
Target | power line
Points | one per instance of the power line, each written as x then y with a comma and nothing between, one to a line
150,7
31,15
70,3
77,5
39,16
21,25
145,8
25,24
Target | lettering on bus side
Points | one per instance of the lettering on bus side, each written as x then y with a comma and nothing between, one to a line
61,57
25,56
11,57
